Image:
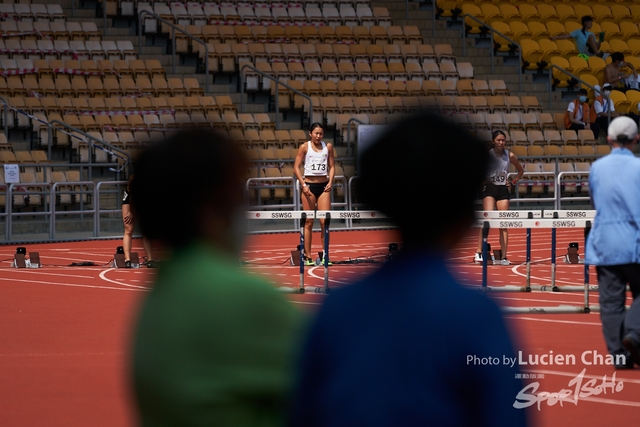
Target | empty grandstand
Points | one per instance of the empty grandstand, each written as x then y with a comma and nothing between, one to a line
86,85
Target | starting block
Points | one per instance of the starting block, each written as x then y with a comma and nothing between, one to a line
572,256
21,261
118,260
295,257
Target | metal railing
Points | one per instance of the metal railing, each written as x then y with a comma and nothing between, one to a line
434,10
21,189
492,31
110,148
87,201
82,211
351,120
6,116
175,28
278,83
559,181
97,200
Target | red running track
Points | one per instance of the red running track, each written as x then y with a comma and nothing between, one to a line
66,330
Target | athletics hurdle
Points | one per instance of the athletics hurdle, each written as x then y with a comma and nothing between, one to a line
551,220
303,216
503,215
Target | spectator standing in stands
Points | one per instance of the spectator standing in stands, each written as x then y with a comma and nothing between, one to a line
129,224
496,189
618,79
213,345
319,171
578,115
396,349
613,243
586,42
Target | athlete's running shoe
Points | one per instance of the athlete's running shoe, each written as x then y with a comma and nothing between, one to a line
322,261
505,261
478,258
309,261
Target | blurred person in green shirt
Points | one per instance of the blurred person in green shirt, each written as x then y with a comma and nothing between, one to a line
213,346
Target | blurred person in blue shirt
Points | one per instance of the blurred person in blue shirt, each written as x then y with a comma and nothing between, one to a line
406,346
613,245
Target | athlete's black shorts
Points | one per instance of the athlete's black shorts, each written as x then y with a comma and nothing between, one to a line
498,192
317,188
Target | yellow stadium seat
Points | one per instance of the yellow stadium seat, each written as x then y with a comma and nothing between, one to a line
621,13
548,13
582,9
629,31
549,50
529,12
555,28
538,31
633,60
509,12
620,101
566,13
520,31
612,31
618,45
531,54
574,25
579,65
602,13
491,13
567,48
635,11
500,43
472,26
597,65
633,96
448,8
634,47
561,79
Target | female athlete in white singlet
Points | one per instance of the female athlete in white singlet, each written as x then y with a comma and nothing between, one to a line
319,171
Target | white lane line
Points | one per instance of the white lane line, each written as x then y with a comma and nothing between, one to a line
74,285
102,276
568,322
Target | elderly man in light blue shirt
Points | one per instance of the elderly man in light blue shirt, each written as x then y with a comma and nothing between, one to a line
613,245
